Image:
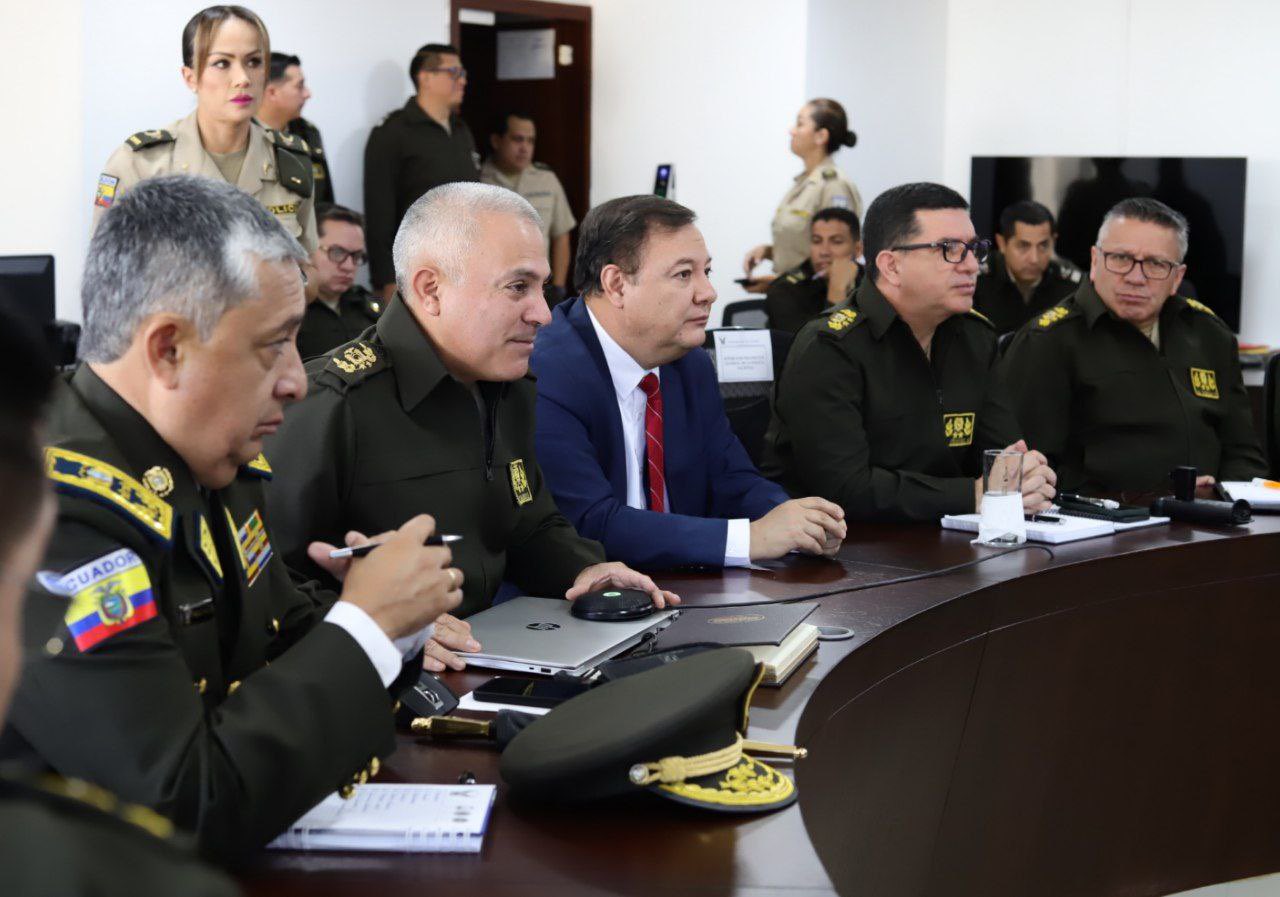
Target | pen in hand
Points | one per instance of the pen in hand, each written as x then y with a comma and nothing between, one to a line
359,551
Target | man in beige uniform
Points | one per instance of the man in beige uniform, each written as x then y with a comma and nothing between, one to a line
275,169
825,187
511,165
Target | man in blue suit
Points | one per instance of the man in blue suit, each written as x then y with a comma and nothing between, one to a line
631,432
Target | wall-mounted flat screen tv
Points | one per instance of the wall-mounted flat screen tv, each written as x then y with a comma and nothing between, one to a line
1080,189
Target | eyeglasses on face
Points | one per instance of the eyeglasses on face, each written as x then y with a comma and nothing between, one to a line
454,71
953,251
1123,262
338,255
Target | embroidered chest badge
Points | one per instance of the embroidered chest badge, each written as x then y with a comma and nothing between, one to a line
520,483
1204,383
958,428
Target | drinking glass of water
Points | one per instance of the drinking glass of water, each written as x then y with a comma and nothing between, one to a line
1000,517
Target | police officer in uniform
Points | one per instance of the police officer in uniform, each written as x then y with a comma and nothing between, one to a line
61,836
415,148
820,130
224,59
281,111
512,138
193,674
825,278
343,308
1023,279
433,410
1126,380
886,405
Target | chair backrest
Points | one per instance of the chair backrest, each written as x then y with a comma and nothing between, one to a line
749,405
1002,341
745,313
1271,414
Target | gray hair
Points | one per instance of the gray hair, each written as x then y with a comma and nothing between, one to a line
1152,211
442,226
185,245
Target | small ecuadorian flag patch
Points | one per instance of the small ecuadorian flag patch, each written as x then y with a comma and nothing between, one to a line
109,595
106,194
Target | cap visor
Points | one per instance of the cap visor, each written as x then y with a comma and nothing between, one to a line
747,787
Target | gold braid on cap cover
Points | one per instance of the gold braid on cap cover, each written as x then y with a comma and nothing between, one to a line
670,770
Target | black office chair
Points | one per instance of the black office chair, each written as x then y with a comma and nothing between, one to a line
749,405
745,313
1002,341
1271,414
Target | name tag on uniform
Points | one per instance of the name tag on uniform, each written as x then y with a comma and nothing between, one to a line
958,428
290,208
1204,383
520,483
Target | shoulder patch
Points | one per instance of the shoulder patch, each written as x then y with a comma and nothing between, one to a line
75,474
258,467
841,319
1052,316
144,139
355,361
981,317
109,595
293,162
794,276
1200,306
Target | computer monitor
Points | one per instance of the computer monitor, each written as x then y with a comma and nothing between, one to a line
26,287
1079,190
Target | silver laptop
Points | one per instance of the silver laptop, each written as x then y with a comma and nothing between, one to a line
540,635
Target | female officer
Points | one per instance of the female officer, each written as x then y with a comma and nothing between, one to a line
821,128
225,50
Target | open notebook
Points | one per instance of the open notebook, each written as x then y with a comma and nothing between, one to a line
413,818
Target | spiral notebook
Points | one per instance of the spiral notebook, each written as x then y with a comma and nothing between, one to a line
407,818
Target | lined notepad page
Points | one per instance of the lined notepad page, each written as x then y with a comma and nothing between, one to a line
414,818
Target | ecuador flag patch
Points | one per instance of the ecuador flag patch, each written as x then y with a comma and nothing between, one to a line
109,595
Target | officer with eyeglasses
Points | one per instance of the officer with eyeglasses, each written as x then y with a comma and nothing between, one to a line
343,309
422,145
886,405
1125,380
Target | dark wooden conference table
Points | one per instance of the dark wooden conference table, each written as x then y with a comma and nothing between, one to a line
1102,721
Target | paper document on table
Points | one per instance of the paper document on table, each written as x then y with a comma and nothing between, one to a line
1067,529
411,818
744,356
1262,495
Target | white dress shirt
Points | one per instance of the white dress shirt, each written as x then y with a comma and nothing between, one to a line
387,657
626,374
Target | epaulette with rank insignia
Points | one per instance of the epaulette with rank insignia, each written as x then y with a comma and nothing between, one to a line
1200,306
981,317
1069,273
1052,316
80,475
794,277
830,174
543,165
841,320
144,139
355,361
293,161
258,467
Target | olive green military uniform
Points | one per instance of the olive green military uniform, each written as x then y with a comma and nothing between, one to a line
385,433
538,184
310,135
863,418
408,153
194,676
793,299
823,188
1115,413
999,299
276,171
324,327
70,839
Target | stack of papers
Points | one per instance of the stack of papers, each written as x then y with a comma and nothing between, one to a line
414,818
1262,495
1067,529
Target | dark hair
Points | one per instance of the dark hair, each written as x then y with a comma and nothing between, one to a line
428,57
614,233
502,122
891,219
827,113
331,211
832,213
28,376
280,63
1152,211
199,31
1026,211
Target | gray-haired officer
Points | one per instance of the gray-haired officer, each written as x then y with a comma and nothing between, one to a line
1126,380
159,688
224,63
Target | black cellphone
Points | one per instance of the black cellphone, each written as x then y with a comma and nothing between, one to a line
527,692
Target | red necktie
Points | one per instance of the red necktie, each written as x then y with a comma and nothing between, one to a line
653,441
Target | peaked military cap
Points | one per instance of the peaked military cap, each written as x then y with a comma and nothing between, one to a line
676,731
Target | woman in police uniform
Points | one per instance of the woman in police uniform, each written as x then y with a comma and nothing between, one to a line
224,62
821,128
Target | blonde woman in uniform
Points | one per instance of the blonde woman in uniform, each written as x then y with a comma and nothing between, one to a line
820,130
225,53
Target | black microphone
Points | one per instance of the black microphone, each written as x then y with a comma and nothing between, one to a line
1203,511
